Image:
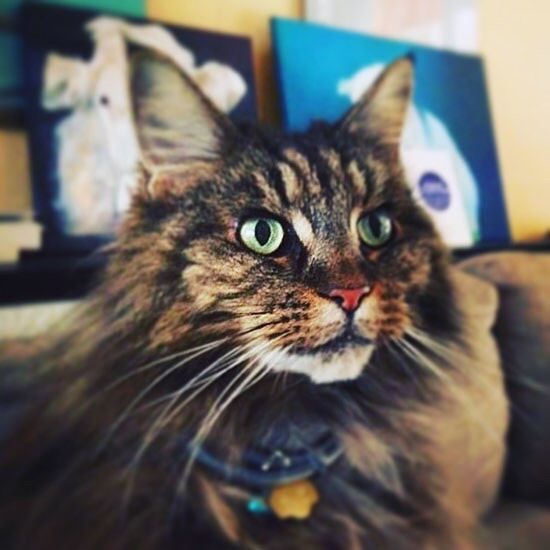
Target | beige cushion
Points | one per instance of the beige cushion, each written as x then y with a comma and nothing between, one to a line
471,430
523,333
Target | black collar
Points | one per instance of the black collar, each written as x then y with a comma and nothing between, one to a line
287,452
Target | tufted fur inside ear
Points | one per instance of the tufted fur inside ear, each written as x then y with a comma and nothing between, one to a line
379,115
175,122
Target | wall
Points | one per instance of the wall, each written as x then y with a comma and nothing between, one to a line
515,40
245,17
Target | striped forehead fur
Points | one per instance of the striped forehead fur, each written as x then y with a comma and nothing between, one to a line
311,171
291,181
303,227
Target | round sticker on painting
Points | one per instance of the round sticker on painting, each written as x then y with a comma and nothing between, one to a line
435,191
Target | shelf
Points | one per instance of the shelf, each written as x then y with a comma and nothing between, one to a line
539,246
42,278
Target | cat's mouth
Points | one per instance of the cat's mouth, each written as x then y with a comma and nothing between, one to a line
346,339
343,357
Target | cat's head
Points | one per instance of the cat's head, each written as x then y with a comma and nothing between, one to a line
307,251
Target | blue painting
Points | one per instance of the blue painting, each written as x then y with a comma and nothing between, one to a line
447,144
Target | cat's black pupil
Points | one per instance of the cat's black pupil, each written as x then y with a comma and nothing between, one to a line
262,232
375,226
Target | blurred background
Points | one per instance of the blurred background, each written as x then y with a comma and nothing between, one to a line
483,69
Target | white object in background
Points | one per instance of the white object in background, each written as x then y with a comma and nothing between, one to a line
98,149
450,24
433,180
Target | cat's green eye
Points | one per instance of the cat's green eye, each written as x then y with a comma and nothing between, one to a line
262,235
375,229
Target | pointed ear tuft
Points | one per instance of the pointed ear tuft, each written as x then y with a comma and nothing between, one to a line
175,122
379,115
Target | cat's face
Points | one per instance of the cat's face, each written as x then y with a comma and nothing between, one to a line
307,252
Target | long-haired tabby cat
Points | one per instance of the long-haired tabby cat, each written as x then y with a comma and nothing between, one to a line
275,358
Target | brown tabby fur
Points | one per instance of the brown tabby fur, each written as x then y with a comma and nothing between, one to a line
177,278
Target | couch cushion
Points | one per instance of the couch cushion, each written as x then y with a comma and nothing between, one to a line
523,333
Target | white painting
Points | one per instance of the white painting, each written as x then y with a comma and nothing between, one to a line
97,150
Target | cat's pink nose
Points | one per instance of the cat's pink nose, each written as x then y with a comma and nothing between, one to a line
350,298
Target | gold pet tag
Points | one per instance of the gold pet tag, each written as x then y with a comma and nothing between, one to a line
294,500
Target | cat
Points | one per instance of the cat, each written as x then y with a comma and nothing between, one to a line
275,357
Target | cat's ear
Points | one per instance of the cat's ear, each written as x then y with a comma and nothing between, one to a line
380,113
175,122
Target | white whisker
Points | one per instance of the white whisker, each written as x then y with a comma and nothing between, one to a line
147,367
147,389
202,381
219,406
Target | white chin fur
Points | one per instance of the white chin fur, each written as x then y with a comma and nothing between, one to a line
346,364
